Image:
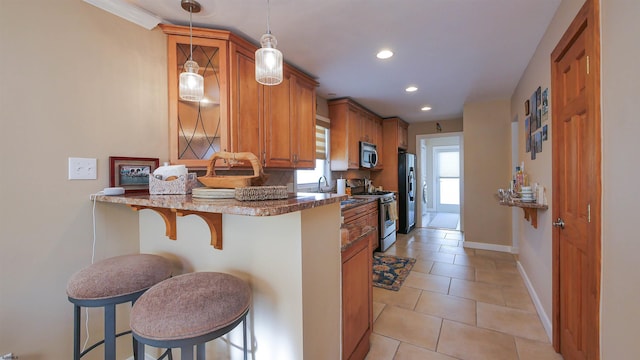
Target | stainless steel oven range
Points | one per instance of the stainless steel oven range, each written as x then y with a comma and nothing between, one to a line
387,222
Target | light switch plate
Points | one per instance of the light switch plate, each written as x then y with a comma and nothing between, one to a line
83,169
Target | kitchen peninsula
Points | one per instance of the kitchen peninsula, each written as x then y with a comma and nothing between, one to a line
289,251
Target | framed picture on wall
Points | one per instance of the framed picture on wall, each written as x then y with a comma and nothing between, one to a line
538,140
545,104
131,173
527,133
534,112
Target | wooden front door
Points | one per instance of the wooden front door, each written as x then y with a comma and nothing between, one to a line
577,187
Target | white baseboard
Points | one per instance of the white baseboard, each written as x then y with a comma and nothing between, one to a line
544,318
485,246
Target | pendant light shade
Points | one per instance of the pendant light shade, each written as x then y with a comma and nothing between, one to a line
268,58
268,61
191,83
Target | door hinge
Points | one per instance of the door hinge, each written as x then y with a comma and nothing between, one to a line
589,213
588,64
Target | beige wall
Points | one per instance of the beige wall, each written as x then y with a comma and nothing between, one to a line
487,145
294,276
322,107
120,83
429,127
535,244
75,81
620,49
620,316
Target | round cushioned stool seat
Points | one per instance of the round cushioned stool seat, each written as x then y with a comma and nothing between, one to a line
190,309
118,276
110,282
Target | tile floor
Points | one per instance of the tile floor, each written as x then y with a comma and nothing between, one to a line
456,303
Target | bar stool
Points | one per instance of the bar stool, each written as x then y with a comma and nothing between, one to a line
190,310
110,282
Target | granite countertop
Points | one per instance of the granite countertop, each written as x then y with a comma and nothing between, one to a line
295,202
356,201
351,234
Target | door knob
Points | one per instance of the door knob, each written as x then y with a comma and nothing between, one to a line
558,223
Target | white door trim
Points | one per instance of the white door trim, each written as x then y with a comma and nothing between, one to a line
421,159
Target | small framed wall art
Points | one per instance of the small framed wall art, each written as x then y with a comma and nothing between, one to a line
131,173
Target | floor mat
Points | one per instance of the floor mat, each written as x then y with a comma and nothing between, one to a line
390,271
445,221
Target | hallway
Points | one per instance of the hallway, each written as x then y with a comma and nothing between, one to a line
456,304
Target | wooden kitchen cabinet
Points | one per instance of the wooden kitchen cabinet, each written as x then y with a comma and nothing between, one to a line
197,129
403,135
350,124
276,123
290,123
363,215
246,104
378,140
357,283
366,125
304,124
345,135
394,130
357,299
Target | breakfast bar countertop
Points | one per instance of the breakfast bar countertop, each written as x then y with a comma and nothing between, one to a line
295,202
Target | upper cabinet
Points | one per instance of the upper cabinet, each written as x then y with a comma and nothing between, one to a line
304,122
276,123
403,135
350,124
198,129
395,140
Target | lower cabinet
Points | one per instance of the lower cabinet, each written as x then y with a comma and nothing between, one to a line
357,281
357,298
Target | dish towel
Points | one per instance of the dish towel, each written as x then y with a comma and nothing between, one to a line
393,211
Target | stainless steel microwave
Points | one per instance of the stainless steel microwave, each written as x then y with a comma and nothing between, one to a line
368,155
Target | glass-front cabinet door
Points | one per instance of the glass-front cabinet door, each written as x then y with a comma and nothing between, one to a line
198,129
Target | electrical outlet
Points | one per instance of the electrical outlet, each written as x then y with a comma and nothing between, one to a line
83,169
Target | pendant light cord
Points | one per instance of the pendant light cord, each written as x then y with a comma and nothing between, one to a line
190,34
268,17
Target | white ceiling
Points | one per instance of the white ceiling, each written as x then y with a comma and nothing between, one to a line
454,51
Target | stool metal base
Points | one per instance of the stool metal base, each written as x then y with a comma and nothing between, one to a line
186,345
110,335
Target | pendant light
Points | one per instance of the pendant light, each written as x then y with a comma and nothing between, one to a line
268,58
191,83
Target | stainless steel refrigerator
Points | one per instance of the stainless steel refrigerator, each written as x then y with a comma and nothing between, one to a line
406,192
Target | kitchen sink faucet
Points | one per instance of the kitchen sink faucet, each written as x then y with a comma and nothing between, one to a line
320,182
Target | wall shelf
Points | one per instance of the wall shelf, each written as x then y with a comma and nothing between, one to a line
530,210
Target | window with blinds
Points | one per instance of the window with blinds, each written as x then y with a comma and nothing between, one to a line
311,177
321,142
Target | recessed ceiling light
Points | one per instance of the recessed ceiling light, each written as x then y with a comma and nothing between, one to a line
426,108
384,54
411,89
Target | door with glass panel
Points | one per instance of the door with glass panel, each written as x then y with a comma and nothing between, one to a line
446,162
